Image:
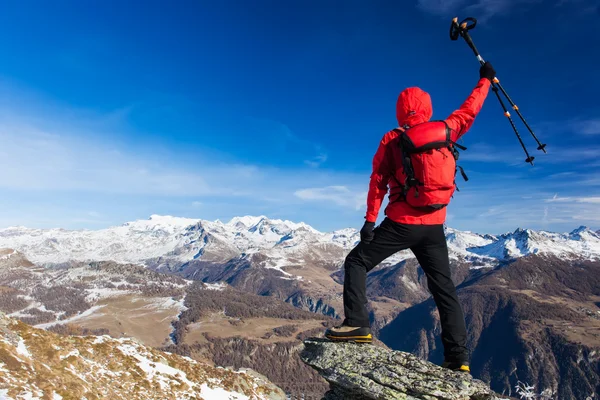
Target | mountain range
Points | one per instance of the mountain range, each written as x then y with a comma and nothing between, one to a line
531,298
182,239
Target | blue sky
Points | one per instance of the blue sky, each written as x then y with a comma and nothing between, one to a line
113,111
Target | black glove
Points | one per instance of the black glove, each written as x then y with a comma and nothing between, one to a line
366,233
487,71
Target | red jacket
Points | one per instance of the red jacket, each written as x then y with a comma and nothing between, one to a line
414,107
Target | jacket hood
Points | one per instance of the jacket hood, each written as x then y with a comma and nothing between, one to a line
413,107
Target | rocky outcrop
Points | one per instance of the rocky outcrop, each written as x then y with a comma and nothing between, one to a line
365,372
38,364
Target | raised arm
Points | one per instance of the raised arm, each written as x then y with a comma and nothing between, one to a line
461,120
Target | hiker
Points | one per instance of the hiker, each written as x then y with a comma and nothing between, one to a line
413,219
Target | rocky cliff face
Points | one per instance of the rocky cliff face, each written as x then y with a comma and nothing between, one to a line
365,372
39,364
536,320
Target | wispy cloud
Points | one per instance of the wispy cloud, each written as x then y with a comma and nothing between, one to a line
484,8
482,152
441,7
57,164
589,200
282,139
316,161
340,195
58,171
36,160
587,127
580,126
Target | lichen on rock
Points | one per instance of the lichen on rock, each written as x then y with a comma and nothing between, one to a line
367,372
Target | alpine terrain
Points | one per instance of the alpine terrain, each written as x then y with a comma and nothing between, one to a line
245,293
38,364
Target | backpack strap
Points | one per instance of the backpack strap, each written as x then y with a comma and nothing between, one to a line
407,166
402,194
463,148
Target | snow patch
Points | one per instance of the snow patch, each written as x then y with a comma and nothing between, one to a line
166,303
218,393
100,339
214,286
74,353
84,314
22,348
156,371
409,284
95,294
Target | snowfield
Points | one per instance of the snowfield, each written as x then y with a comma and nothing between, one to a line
180,240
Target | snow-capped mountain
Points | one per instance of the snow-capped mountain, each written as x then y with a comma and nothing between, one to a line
580,243
180,240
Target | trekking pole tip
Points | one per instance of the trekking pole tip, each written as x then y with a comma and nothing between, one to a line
530,160
542,147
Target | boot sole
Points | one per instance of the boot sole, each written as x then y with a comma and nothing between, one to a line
354,339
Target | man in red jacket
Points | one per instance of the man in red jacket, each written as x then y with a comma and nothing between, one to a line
406,227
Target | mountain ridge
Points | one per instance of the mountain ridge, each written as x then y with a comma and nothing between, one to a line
184,239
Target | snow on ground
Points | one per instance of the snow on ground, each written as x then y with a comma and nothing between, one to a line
164,374
22,349
214,286
95,294
217,393
84,314
74,353
166,303
278,264
33,304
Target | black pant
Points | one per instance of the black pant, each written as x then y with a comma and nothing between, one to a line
428,243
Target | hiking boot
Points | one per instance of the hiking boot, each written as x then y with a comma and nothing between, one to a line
457,366
344,333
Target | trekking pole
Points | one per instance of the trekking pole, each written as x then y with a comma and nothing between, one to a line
529,158
462,30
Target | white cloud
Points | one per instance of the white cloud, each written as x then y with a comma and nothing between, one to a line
316,161
340,195
514,156
483,152
36,160
58,164
588,127
589,200
485,9
440,6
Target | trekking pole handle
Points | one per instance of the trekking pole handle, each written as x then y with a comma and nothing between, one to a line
462,30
